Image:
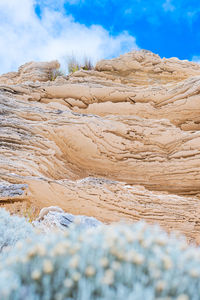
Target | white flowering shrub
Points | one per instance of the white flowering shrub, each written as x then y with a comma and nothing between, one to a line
131,262
12,229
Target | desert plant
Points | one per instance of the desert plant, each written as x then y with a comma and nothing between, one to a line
12,229
74,65
87,64
109,262
29,213
55,73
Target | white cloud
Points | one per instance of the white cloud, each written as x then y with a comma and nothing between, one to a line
25,37
196,59
168,6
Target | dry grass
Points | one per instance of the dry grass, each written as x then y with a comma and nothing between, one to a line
74,65
55,73
22,209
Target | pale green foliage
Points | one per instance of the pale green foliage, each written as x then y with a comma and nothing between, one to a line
118,262
12,229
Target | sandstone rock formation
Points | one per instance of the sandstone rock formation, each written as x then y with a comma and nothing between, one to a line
144,68
31,72
118,142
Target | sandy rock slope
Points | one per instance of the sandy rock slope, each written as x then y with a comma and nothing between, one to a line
121,141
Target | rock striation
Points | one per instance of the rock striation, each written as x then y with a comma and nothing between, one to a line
31,72
146,68
118,142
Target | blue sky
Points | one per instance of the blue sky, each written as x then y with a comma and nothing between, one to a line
50,29
169,28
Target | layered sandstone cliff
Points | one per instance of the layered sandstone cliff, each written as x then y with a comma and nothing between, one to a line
118,142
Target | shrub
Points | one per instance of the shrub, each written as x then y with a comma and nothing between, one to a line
87,64
74,65
55,73
109,262
12,229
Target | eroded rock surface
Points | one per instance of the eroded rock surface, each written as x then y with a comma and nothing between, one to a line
131,131
31,72
144,67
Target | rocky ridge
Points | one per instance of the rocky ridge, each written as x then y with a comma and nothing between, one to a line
121,141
